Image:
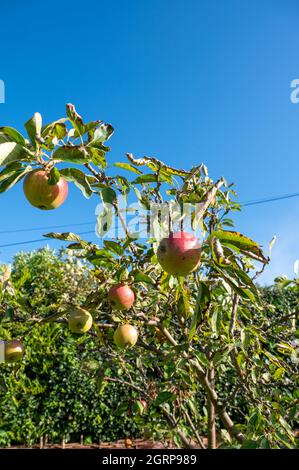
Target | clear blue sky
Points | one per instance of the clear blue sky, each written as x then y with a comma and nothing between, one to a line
186,81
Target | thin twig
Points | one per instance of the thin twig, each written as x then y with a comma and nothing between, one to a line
233,319
199,439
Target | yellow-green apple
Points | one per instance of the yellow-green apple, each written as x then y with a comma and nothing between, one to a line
179,254
14,350
79,320
121,297
41,194
125,336
144,404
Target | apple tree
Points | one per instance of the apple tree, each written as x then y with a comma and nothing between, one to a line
178,315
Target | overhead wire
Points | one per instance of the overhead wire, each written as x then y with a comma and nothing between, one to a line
246,203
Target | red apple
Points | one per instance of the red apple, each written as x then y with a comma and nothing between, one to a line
43,195
125,336
179,254
121,297
14,350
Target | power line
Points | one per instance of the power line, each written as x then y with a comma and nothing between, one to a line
45,228
263,201
249,203
39,240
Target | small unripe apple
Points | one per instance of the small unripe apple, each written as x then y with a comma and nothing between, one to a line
144,404
14,350
41,194
179,254
121,297
125,336
80,321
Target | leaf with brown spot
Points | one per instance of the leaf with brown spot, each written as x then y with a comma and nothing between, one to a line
240,243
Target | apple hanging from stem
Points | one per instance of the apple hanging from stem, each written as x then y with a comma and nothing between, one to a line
80,320
125,336
121,297
179,254
43,195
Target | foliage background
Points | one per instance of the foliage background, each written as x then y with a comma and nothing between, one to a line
57,391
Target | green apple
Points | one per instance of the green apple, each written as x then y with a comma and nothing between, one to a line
80,321
125,336
14,350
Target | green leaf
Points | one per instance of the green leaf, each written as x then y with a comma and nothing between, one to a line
124,183
183,301
250,444
139,276
241,359
202,358
54,131
75,118
244,293
243,279
104,221
98,157
88,127
149,178
138,408
12,152
102,133
215,321
54,176
164,397
254,420
13,179
10,170
108,195
34,128
202,302
114,247
128,166
241,242
165,175
5,138
218,357
13,134
272,358
79,178
101,258
66,236
72,154
279,373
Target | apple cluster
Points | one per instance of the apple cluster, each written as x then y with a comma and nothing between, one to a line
179,254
